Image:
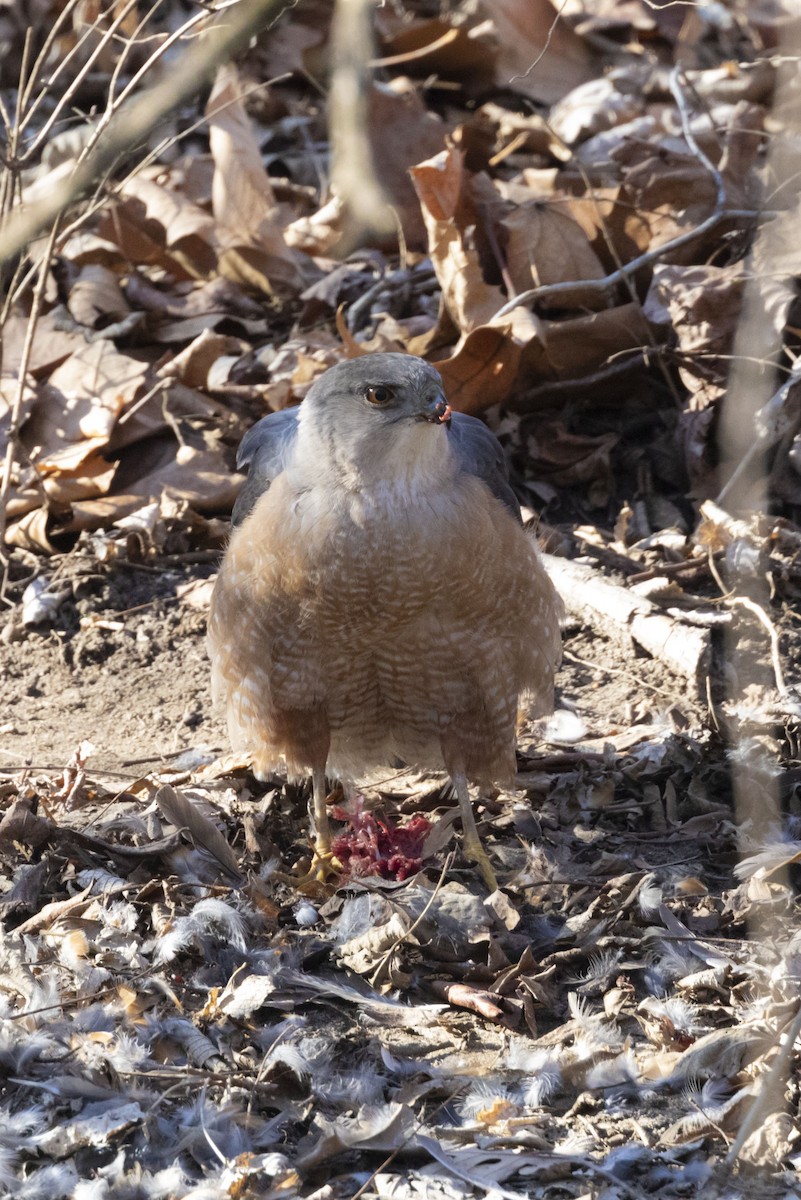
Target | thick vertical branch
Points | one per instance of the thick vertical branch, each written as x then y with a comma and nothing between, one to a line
753,410
367,210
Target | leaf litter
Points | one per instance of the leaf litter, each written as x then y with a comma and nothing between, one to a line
588,205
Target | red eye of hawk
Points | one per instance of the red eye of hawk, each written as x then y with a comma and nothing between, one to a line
380,394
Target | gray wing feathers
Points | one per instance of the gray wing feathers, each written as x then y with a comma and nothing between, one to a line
479,453
265,447
263,450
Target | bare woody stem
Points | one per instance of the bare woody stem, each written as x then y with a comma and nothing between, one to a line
132,123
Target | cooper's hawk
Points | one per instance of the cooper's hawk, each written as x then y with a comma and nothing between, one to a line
379,598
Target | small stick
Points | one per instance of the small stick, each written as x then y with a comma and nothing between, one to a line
765,621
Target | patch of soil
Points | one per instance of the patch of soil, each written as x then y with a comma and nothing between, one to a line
124,666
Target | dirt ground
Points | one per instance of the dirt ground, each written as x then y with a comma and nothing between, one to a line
601,1026
124,666
138,691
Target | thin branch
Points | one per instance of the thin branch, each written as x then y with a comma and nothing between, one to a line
42,57
65,99
610,281
624,273
133,122
138,37
764,620
135,79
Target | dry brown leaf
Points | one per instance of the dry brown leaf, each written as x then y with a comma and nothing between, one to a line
538,54
196,593
32,532
307,369
593,108
402,132
140,241
93,513
318,233
96,298
513,132
155,224
670,191
53,912
559,457
24,827
86,394
242,195
193,364
395,336
353,349
544,246
85,477
772,1142
197,474
260,269
518,350
172,333
380,1127
182,221
162,409
253,250
484,368
194,299
68,432
583,344
86,249
701,306
51,345
291,44
616,232
436,47
456,208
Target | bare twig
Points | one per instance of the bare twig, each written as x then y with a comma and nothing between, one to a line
610,281
64,101
136,38
764,620
132,123
136,79
624,273
26,91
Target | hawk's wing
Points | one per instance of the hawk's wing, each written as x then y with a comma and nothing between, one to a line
479,452
263,450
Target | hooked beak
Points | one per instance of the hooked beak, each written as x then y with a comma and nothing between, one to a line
437,411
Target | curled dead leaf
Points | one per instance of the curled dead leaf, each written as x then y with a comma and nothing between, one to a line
457,210
462,995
